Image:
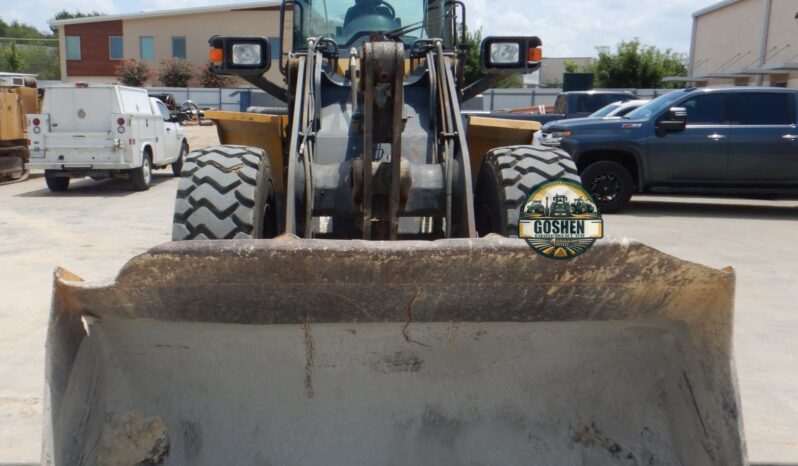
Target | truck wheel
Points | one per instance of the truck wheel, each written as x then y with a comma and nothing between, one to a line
177,165
225,192
507,177
610,184
57,184
140,178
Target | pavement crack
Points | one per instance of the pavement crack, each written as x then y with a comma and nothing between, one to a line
310,353
405,329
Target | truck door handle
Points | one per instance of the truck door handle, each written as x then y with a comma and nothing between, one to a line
716,137
790,137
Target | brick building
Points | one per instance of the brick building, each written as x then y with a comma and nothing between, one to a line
92,48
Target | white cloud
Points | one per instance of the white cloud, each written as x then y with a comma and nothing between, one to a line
571,28
567,27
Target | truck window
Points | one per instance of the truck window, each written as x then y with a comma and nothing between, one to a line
762,108
706,109
167,115
590,103
559,104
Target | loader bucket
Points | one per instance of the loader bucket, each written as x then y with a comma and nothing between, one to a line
303,352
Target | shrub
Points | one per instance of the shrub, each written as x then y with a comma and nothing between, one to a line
134,73
175,73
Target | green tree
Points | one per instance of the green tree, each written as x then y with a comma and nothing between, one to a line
41,61
472,69
37,50
17,30
570,66
12,59
175,73
64,14
635,65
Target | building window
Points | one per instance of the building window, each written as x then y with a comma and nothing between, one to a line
274,46
178,47
147,46
72,47
115,48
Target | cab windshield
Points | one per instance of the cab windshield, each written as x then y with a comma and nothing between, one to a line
347,21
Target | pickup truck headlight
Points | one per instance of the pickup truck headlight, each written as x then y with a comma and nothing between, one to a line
560,134
246,54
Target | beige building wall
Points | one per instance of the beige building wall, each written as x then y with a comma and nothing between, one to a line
197,29
553,68
783,31
728,38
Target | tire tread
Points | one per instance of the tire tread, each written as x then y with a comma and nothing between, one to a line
520,169
216,193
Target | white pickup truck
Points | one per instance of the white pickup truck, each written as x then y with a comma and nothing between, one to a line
102,131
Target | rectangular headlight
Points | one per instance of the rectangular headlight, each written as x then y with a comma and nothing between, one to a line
246,54
505,53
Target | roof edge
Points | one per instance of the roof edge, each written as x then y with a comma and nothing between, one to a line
714,7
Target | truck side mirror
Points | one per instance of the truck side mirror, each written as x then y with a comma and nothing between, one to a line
240,55
511,54
673,122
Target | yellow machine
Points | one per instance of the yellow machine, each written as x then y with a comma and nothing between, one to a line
18,97
343,286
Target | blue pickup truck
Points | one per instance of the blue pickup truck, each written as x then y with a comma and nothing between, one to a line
734,140
573,104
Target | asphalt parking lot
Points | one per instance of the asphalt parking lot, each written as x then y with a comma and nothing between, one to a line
94,228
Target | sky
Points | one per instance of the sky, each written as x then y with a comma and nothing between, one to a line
568,28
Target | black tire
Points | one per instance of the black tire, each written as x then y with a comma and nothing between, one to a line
610,184
225,192
57,184
141,177
507,177
177,165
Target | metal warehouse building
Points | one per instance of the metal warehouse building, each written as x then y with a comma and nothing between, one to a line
745,42
92,48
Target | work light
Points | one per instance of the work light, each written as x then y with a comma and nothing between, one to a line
246,54
502,53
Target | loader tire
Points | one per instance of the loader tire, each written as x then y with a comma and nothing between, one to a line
225,192
507,177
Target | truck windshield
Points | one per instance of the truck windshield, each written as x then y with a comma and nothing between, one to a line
655,106
346,21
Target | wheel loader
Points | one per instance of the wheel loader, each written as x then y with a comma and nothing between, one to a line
18,97
344,286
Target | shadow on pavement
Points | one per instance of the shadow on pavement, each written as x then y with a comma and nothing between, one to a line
707,209
86,187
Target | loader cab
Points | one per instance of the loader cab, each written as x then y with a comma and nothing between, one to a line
350,23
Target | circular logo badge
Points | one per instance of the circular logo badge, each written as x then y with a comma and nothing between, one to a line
560,220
